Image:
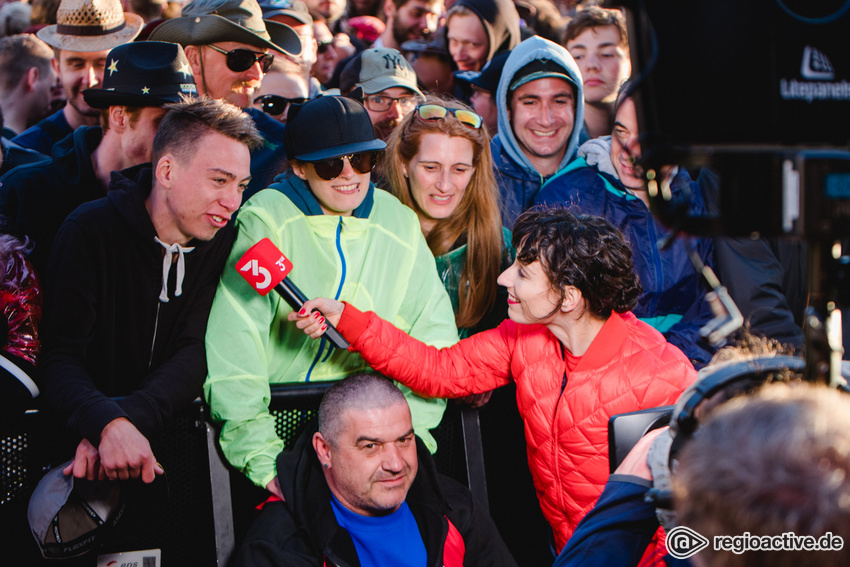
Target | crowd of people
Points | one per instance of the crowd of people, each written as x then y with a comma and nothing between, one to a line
458,184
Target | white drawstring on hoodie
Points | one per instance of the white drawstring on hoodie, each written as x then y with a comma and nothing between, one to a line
167,260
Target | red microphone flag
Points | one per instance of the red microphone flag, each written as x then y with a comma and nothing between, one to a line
264,266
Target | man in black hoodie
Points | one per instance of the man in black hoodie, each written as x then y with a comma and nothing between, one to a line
478,29
130,283
363,490
35,199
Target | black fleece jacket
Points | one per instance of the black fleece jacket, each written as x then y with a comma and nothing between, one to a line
303,531
111,347
35,198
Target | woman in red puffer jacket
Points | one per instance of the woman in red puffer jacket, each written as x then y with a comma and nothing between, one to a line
576,352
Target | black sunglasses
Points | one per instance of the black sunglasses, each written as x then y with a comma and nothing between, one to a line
240,60
330,168
275,104
322,46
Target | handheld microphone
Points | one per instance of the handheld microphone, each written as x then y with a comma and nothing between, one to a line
265,268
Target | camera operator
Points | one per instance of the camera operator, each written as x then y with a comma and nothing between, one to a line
766,470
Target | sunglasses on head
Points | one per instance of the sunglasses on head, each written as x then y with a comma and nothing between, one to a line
240,60
331,168
437,112
276,104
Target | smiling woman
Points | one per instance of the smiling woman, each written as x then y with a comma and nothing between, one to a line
439,164
346,239
572,347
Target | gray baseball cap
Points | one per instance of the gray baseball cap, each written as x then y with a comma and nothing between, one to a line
378,69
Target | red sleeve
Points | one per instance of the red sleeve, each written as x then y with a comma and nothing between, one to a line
474,365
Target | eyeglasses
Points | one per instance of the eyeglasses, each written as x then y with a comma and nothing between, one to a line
436,112
382,103
276,104
322,46
240,60
331,168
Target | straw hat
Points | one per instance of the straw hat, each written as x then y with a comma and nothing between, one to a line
91,25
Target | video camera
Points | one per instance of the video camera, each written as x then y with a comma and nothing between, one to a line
716,383
760,92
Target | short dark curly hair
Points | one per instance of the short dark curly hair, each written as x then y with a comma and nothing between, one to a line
583,251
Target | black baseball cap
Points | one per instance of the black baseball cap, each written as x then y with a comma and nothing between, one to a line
327,127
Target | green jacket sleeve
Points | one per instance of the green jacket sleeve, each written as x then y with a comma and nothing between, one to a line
427,313
237,342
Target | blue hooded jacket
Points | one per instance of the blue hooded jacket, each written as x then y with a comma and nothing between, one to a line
673,298
519,181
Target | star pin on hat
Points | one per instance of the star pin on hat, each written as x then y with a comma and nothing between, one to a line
91,25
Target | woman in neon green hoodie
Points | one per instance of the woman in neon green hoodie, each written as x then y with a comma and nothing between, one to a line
345,240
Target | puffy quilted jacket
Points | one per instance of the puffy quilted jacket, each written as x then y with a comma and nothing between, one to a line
629,366
673,299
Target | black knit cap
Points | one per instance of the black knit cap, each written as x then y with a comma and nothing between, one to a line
328,127
146,73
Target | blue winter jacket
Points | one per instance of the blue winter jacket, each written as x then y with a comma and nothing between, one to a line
673,299
519,181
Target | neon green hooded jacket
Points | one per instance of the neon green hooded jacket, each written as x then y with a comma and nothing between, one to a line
376,259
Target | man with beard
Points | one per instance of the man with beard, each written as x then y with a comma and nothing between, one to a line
409,20
80,61
227,43
363,490
389,86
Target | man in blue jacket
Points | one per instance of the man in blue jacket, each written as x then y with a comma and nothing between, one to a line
540,100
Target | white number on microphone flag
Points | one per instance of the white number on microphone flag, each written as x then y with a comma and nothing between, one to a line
257,271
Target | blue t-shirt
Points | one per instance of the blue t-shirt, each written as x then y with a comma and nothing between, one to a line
383,540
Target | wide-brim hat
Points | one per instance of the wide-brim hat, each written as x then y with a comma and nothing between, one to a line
328,127
147,73
210,21
91,25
